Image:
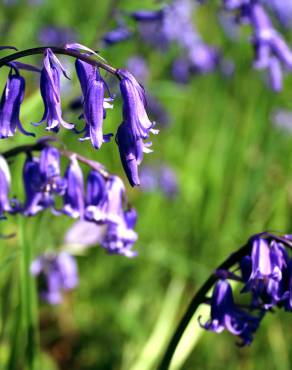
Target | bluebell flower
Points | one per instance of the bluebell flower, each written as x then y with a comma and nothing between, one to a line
50,171
161,178
282,10
117,35
135,127
11,100
50,91
93,90
147,15
120,237
74,197
43,181
32,185
226,315
270,48
55,274
138,67
104,199
5,181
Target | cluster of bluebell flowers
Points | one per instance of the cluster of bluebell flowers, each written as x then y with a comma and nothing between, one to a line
131,134
265,274
272,53
102,199
162,28
261,276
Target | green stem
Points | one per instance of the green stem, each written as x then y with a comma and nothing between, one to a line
28,300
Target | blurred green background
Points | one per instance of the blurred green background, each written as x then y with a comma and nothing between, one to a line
235,179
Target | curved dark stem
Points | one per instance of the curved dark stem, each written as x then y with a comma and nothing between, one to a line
59,50
38,146
44,142
198,299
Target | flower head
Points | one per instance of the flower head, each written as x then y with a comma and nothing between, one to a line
226,315
74,198
93,87
5,180
55,273
135,127
11,100
50,91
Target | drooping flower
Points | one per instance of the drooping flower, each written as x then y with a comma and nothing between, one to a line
51,172
104,199
159,178
120,237
267,264
11,100
93,90
74,198
55,274
271,51
50,91
32,185
5,181
135,127
225,314
43,181
117,35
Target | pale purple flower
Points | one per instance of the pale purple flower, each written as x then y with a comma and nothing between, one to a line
74,197
138,68
104,201
135,127
5,181
84,234
161,178
93,89
270,48
56,273
120,237
50,91
42,181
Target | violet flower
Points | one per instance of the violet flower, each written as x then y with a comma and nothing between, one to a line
43,181
267,263
119,238
92,86
5,180
117,35
74,198
11,100
50,91
270,48
55,274
104,199
225,314
135,128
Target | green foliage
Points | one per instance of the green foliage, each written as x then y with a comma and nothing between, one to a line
235,179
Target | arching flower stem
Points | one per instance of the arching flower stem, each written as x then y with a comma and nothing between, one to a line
59,50
42,143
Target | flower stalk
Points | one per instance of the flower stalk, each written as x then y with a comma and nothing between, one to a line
29,314
58,50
